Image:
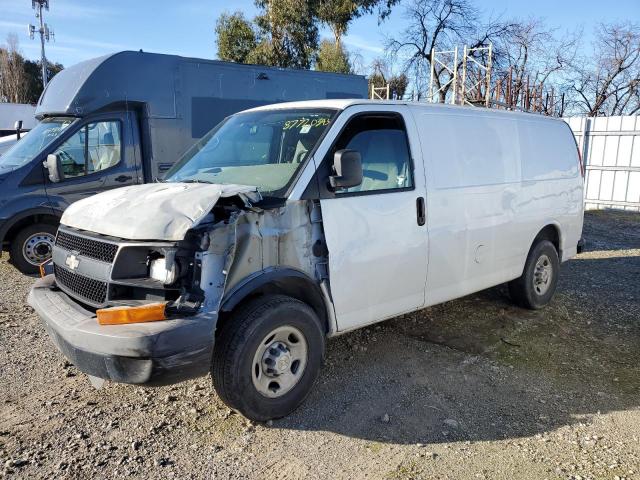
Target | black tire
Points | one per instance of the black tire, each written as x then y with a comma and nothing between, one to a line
238,342
523,290
19,253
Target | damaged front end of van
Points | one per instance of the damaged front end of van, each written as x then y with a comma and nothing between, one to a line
143,275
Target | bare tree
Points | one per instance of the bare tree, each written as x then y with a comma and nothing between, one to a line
13,85
378,73
609,84
535,61
357,63
442,25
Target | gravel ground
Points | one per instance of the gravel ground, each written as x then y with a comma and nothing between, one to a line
474,388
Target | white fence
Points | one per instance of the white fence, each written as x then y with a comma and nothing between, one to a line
610,148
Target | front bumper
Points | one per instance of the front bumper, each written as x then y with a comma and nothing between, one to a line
154,353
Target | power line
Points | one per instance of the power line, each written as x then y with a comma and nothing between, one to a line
45,32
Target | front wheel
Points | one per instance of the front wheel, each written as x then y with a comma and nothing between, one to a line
32,246
535,288
268,356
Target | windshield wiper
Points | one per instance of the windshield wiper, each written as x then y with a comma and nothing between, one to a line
193,180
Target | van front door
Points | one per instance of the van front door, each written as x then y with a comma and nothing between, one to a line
99,155
376,233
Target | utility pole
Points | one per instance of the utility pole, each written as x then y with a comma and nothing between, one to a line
45,33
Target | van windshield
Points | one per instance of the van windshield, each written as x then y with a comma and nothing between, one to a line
265,148
34,142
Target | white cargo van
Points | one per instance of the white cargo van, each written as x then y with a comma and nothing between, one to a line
290,223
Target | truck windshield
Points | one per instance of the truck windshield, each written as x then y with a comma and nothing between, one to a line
265,148
34,142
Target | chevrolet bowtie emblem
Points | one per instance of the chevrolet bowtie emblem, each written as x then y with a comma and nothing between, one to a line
72,262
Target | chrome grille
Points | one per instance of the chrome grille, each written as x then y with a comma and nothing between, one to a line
103,251
92,291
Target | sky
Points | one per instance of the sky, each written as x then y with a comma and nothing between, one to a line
89,28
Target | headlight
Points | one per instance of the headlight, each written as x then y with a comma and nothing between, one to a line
163,271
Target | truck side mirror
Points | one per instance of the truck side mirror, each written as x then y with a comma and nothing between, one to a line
347,165
54,166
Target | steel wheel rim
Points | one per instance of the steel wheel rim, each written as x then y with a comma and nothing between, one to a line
542,275
37,248
279,362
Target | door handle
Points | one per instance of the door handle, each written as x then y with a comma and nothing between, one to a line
122,178
421,211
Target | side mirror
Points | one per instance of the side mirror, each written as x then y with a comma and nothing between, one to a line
18,127
54,165
347,165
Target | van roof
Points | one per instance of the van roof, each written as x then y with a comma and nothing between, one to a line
341,104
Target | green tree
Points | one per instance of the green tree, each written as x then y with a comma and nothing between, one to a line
377,78
332,58
235,37
398,86
397,83
21,79
285,32
288,33
33,72
338,14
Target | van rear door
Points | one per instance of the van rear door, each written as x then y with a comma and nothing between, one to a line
376,232
100,154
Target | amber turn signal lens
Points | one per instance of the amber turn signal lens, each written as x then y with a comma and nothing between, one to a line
122,315
46,268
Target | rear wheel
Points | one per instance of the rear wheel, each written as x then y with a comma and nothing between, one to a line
535,288
267,357
32,246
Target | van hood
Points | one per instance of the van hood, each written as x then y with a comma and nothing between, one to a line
155,211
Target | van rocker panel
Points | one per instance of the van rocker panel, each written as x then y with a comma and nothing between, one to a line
153,353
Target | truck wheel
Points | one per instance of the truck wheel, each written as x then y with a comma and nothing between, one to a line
267,357
32,246
536,286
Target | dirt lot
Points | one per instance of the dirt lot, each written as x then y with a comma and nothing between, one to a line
474,388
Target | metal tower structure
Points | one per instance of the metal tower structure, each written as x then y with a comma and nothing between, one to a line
476,76
45,32
469,79
446,61
470,87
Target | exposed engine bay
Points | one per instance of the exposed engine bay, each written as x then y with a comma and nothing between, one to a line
200,241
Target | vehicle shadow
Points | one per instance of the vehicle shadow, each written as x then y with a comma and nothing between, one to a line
479,368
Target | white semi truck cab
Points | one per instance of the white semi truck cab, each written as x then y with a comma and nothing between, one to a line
287,224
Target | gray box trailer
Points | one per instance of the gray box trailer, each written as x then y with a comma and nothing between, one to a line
123,119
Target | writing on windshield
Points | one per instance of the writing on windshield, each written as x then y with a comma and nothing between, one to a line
264,148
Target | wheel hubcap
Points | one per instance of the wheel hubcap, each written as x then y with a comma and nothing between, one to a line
279,361
38,247
542,275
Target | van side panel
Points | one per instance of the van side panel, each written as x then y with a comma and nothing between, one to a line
552,186
494,180
472,190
